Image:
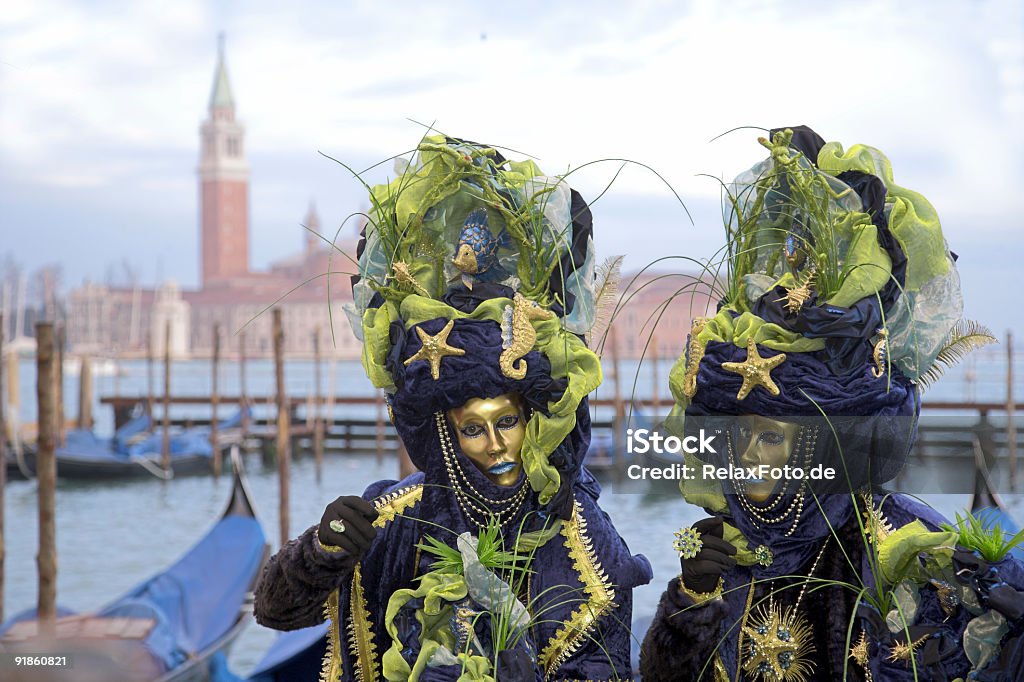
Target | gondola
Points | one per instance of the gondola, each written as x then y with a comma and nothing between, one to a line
135,451
177,626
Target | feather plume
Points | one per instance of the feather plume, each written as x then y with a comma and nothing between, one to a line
965,337
606,296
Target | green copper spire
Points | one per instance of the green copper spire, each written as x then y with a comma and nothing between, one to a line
220,96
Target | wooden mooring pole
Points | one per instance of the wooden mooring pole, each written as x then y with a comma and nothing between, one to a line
165,444
3,468
85,393
283,427
1011,408
149,378
318,421
215,402
58,383
332,387
46,475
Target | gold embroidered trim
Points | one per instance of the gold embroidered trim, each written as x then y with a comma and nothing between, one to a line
391,505
694,354
599,590
332,549
360,628
743,624
360,631
721,674
330,668
702,597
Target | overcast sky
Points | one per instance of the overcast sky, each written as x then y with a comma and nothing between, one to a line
100,104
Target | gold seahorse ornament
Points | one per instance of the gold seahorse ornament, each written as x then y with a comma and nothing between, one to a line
880,353
518,334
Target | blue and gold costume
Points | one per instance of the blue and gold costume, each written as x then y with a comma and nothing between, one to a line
838,296
475,281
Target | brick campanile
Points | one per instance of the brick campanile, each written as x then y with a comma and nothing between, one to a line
223,185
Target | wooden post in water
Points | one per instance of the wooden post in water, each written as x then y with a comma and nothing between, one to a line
332,390
215,402
149,378
1011,407
243,403
283,427
58,383
3,468
380,426
318,424
46,474
14,405
85,393
165,444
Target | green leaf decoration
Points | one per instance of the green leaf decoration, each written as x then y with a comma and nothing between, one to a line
984,535
898,553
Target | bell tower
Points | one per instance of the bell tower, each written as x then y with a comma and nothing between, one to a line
223,185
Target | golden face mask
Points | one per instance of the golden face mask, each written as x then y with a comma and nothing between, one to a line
491,433
764,441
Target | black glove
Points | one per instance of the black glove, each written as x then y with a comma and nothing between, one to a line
701,573
357,516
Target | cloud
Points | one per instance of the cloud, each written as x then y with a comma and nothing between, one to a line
108,98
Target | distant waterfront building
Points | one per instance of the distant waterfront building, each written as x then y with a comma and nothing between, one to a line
171,321
124,320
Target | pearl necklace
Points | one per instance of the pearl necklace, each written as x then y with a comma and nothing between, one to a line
803,453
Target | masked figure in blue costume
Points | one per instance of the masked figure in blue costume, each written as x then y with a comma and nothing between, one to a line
475,289
839,295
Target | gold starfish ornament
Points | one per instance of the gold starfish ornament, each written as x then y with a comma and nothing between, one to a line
778,646
755,370
434,348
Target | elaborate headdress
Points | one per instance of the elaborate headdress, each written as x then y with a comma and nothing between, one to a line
476,279
839,299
